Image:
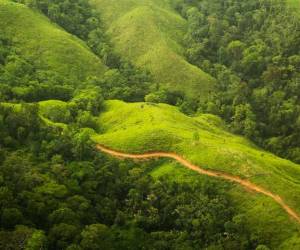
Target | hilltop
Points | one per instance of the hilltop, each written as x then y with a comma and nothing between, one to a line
150,34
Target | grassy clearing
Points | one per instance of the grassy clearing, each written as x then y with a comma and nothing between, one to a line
149,33
50,47
140,127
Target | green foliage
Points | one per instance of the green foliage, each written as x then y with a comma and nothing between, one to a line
75,198
37,241
19,123
39,60
75,16
86,120
244,120
144,127
56,192
149,34
159,96
124,82
56,111
88,100
262,247
252,49
96,236
16,239
11,217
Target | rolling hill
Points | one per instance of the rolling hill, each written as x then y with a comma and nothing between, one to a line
149,33
43,42
140,128
204,141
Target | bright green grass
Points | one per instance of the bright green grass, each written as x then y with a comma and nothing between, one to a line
46,44
149,34
295,6
140,127
294,3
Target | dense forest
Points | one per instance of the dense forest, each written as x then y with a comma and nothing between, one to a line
58,192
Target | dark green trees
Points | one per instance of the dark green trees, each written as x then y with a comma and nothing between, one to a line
252,49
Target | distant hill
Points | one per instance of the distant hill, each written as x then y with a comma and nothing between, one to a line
150,33
43,42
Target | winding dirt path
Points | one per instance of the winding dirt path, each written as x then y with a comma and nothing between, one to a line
245,183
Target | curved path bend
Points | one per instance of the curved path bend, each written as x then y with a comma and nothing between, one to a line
245,183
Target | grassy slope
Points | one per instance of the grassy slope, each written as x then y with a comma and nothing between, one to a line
46,44
294,3
140,127
149,33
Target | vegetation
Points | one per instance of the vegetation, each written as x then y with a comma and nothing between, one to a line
252,49
60,63
58,193
161,30
140,127
40,61
294,3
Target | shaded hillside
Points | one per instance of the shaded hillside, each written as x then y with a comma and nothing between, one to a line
46,45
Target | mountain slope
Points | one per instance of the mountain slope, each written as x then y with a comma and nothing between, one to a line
149,33
50,47
139,128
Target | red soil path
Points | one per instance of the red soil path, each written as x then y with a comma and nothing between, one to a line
245,183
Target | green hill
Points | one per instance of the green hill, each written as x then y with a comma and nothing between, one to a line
141,127
149,34
50,47
205,141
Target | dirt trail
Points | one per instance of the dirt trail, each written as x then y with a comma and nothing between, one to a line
245,183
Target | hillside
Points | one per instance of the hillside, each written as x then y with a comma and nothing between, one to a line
205,142
140,127
47,45
149,34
